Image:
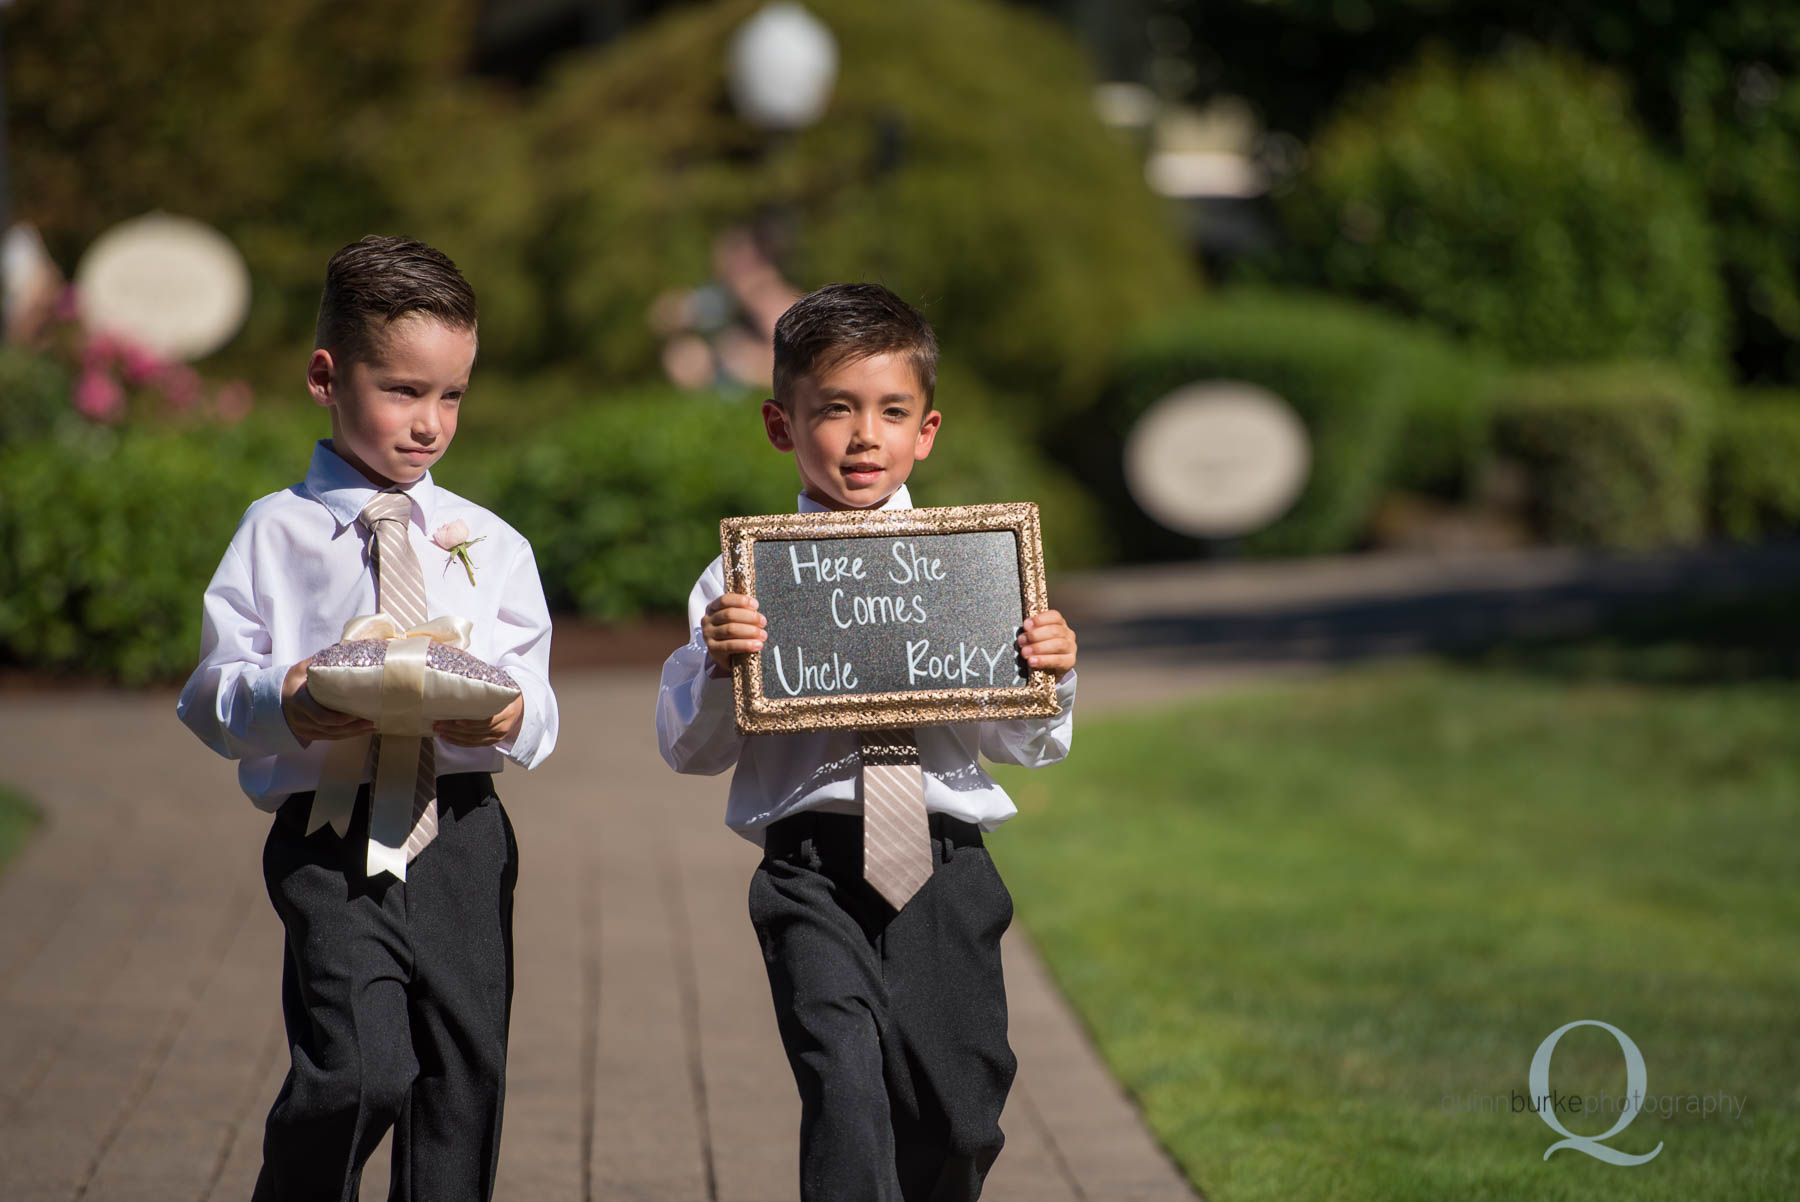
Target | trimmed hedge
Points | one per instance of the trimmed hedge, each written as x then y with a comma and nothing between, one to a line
1616,453
1387,405
1517,204
1756,466
107,539
107,542
986,452
622,502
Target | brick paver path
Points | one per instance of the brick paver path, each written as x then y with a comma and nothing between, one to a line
140,1033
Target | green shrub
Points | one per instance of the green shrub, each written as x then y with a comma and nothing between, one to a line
622,502
106,543
1615,453
1712,83
1738,127
1386,405
108,537
34,396
986,452
1515,203
960,163
1756,466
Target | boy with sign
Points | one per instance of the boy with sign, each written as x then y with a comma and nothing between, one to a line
877,907
389,860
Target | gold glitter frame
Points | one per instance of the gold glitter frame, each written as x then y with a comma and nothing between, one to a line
758,714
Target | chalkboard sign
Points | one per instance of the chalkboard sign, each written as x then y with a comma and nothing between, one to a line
888,618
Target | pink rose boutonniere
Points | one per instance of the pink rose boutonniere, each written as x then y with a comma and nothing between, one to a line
454,538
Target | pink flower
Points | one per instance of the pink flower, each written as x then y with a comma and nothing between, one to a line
451,535
99,396
100,348
140,363
454,538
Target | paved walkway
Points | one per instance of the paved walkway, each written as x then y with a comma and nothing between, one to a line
141,1043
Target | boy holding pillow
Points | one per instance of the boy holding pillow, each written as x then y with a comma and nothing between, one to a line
397,982
885,969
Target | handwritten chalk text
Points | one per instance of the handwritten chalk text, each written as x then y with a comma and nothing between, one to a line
962,666
834,675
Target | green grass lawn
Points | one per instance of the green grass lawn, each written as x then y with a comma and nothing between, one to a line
1297,921
17,820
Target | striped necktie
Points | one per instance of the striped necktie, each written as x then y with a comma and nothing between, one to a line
896,834
400,593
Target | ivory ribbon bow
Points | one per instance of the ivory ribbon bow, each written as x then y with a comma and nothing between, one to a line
402,713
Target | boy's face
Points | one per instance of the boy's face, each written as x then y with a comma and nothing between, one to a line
855,430
393,408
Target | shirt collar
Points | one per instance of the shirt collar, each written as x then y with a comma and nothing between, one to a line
343,490
898,499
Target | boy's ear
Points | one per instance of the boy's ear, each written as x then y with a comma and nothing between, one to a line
777,426
927,434
321,375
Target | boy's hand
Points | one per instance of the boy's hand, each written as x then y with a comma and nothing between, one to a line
1048,644
483,732
308,719
731,626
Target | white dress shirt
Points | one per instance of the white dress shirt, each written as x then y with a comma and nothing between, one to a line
298,568
779,775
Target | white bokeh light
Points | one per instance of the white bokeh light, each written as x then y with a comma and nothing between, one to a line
783,63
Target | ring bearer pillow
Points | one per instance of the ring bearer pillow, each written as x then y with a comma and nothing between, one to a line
404,680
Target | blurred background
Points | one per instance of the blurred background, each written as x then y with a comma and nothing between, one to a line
1310,324
1523,272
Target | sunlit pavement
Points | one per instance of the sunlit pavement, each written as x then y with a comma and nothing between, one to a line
140,1031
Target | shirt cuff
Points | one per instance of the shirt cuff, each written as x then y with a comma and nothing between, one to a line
1065,690
522,742
712,692
269,727
526,747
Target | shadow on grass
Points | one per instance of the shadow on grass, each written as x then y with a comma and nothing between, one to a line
1681,643
1710,614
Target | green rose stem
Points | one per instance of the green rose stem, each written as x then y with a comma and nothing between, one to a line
461,552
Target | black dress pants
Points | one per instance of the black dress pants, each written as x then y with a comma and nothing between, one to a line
396,997
894,1023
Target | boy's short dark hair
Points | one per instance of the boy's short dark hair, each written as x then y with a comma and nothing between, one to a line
841,323
381,279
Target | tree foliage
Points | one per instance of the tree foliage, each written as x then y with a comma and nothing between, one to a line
1715,82
1516,203
242,114
960,163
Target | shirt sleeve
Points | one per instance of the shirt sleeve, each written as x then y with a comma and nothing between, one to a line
233,699
522,649
1033,742
696,720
